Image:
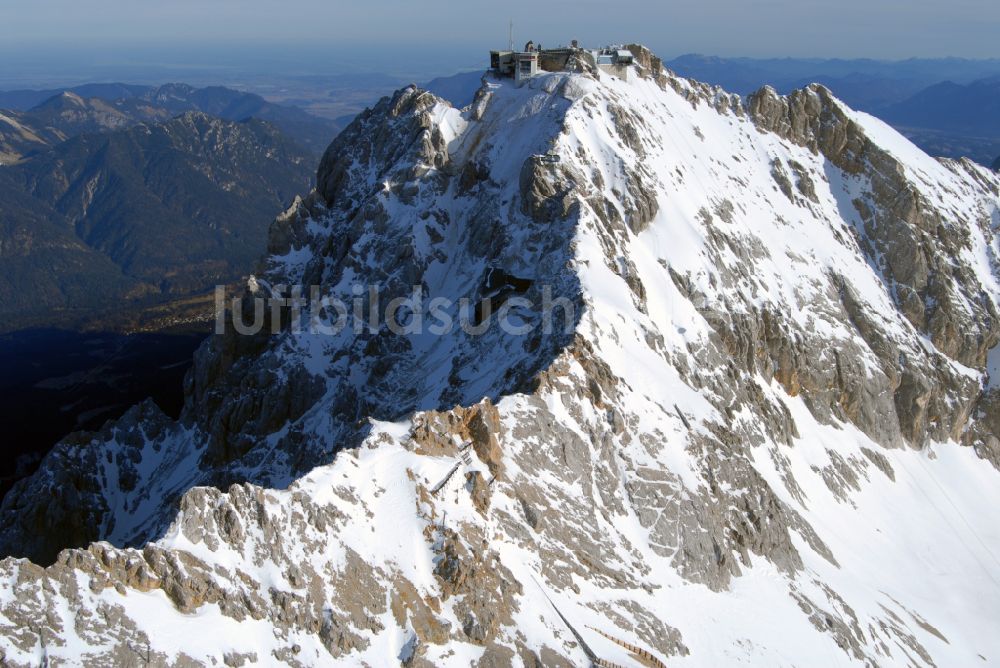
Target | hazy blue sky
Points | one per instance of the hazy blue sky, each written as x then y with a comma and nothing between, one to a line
847,28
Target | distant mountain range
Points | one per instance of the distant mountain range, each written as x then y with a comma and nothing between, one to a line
23,100
114,192
140,214
968,109
862,82
35,119
57,119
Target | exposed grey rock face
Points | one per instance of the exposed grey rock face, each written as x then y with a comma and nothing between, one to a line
914,246
907,237
759,304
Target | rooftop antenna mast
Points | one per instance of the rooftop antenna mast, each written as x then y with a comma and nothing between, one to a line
510,35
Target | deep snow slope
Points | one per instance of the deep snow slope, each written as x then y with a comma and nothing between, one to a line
764,434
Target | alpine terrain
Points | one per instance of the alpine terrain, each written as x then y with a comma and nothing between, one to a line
140,215
749,415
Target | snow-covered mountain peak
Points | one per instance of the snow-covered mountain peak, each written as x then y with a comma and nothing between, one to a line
721,395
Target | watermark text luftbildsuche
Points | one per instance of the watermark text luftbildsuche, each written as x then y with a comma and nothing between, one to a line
313,310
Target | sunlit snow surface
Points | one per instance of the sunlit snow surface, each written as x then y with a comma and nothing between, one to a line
920,552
